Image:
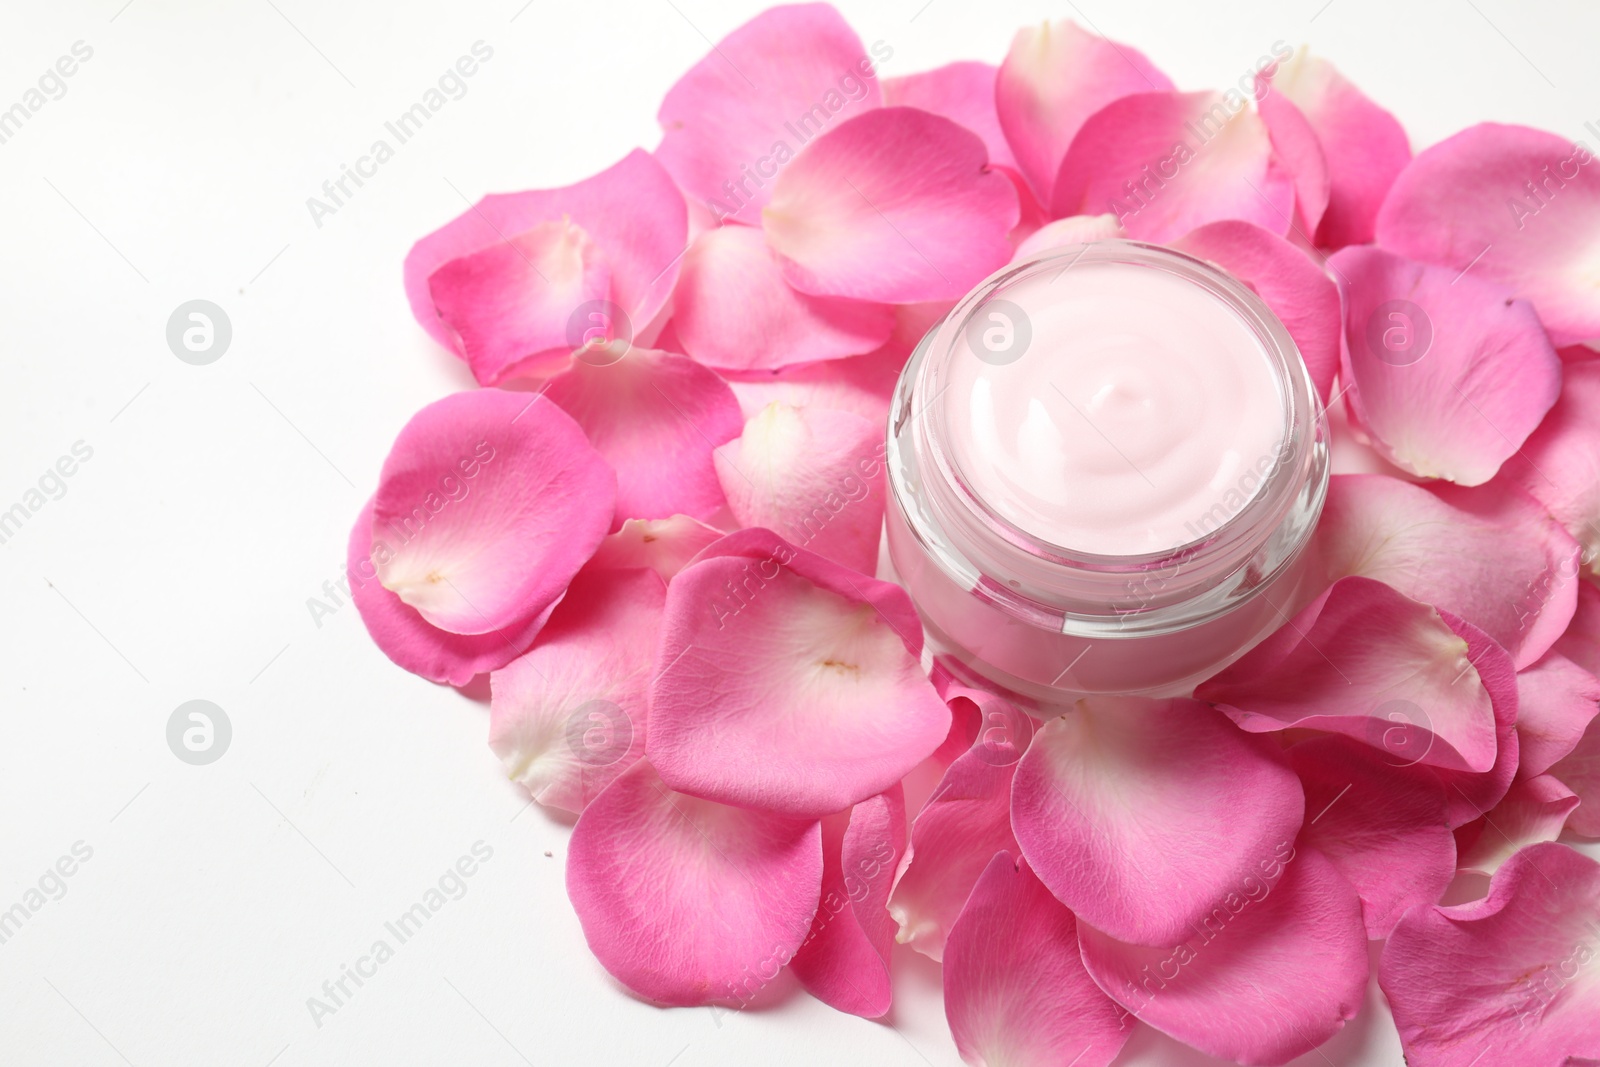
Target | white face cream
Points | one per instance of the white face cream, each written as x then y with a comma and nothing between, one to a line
1104,464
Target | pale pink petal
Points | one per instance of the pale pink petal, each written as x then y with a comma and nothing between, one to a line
861,385
1364,146
510,305
1489,556
1292,285
845,959
1447,375
631,212
1383,826
764,92
1274,969
656,417
1556,702
662,545
1519,206
1507,979
1140,814
734,311
1365,661
1533,810
962,92
686,901
488,504
1301,153
896,205
1054,77
1063,233
1559,464
963,824
788,682
1579,771
408,639
569,715
1167,163
1015,990
812,475
1581,641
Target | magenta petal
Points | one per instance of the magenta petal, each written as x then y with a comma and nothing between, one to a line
1073,230
1015,990
1581,641
1509,978
962,92
963,824
1364,146
662,545
1296,144
1383,826
408,639
734,311
686,901
488,504
1293,286
896,205
1489,555
1166,163
569,716
1533,810
845,959
1556,702
1518,206
788,682
1579,771
657,418
1365,661
632,212
758,97
861,385
813,475
1140,814
1054,77
1446,374
1559,464
1273,970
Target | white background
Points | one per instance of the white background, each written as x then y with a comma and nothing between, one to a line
218,499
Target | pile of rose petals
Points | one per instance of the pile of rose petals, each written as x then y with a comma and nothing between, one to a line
656,528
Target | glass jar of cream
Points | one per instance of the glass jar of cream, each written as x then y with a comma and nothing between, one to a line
1104,463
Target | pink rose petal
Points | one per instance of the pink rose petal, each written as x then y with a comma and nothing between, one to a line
568,716
657,418
1487,555
861,385
1381,825
1292,285
1296,144
814,476
734,311
789,682
896,205
763,92
1054,78
1166,163
1559,464
1579,771
1507,979
1533,810
686,901
1273,970
1514,205
963,824
632,213
1063,233
1445,374
1556,702
845,959
488,504
1364,146
1365,661
663,545
962,92
1140,814
1015,990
